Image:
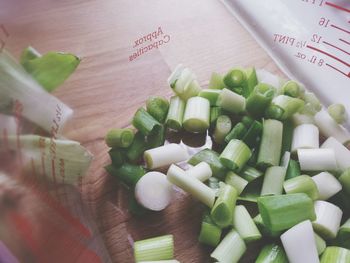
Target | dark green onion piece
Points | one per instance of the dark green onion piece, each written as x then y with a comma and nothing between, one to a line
274,112
272,253
137,148
237,132
293,169
158,107
210,233
144,122
212,158
156,138
263,229
250,173
135,208
252,161
252,136
247,121
345,180
235,155
127,173
280,212
252,81
236,80
343,237
119,138
287,136
118,156
259,99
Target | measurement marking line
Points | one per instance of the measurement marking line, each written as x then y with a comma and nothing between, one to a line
330,55
346,42
339,28
347,75
336,47
338,7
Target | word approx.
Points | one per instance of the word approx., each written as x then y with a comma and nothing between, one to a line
148,42
3,35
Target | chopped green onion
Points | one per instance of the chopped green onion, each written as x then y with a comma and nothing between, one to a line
285,160
215,112
342,154
158,107
191,185
320,244
156,138
330,128
222,211
175,113
274,112
129,174
231,101
335,255
235,155
280,212
252,161
345,180
312,104
343,237
144,122
211,95
153,191
273,180
299,243
222,128
236,181
317,160
236,80
250,173
272,253
292,89
212,158
259,99
201,171
328,217
237,132
137,148
338,113
119,138
302,184
298,119
118,156
245,225
156,248
230,249
253,134
263,229
247,121
196,116
327,185
271,144
293,169
214,183
210,233
305,136
288,104
165,155
175,75
216,81
252,81
135,208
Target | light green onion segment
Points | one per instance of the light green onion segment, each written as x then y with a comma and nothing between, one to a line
235,155
210,233
156,248
175,113
236,181
231,101
272,253
302,184
273,180
244,224
197,115
158,107
119,138
222,128
338,113
335,255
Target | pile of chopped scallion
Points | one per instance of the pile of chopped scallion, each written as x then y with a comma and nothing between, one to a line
268,131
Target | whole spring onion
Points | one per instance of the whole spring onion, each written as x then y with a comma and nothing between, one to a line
196,117
335,255
175,113
338,113
235,155
158,107
210,233
259,99
222,128
156,248
119,138
327,185
272,253
231,101
302,184
244,224
144,122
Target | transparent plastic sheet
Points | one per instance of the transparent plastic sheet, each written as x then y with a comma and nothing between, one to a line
43,217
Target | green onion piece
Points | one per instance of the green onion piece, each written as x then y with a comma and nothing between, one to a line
327,185
343,237
320,244
252,81
216,81
252,191
259,99
222,211
250,173
317,159
288,104
252,161
201,171
293,169
215,112
335,255
292,89
137,148
280,212
345,180
338,113
287,136
119,138
302,184
196,116
144,122
328,217
230,249
211,95
210,233
236,80
118,156
237,132
298,119
273,180
222,128
305,136
175,75
252,136
236,181
212,158
312,104
247,121
158,107
156,138
156,248
191,185
271,144
274,112
175,113
235,155
245,225
342,153
263,229
129,174
272,253
231,101
214,183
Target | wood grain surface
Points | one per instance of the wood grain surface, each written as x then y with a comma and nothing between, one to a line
107,89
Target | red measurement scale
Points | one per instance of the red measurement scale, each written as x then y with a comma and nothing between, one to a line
308,39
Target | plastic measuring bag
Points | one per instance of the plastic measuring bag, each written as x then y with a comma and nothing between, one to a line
308,39
43,217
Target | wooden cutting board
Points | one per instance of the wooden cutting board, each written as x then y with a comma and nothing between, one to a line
107,88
